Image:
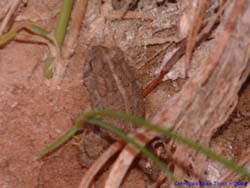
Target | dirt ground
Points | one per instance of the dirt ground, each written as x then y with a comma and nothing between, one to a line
32,115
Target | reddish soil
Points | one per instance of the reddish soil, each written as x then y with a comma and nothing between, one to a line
33,115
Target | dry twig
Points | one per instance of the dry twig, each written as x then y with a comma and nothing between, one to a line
62,60
75,28
99,163
194,29
13,7
171,62
181,51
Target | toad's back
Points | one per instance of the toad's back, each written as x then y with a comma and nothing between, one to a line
112,84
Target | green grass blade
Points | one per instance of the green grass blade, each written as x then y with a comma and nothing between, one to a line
125,137
64,138
7,37
197,147
38,30
60,33
48,68
63,21
230,164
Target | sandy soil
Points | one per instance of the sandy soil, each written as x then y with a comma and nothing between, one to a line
32,115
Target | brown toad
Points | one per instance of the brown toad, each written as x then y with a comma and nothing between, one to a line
111,85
